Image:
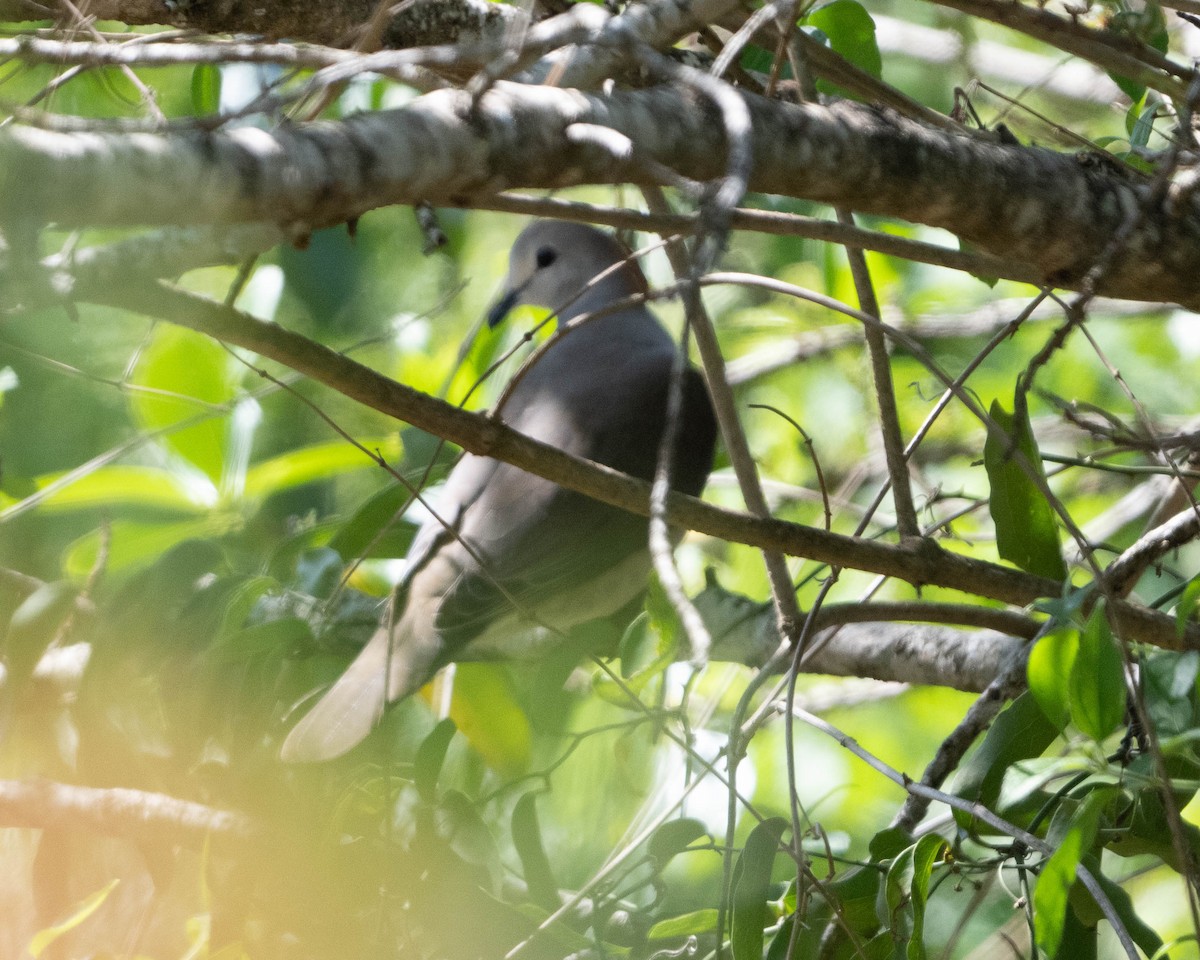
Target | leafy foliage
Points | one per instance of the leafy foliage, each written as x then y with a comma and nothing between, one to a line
191,547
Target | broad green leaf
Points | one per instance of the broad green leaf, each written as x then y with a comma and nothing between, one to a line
1097,685
1057,876
1049,670
206,89
692,924
133,545
110,487
1169,684
851,32
431,754
375,530
490,718
193,373
43,938
1026,532
1087,908
320,462
907,887
535,865
1020,732
673,838
752,880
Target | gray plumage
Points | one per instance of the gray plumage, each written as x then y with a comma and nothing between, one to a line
600,393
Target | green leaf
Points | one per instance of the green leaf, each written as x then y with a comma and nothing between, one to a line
1049,670
460,824
673,838
908,886
43,938
193,372
1139,136
322,461
851,32
1057,876
489,716
1186,606
375,530
1026,532
143,488
133,545
535,865
1169,683
1097,679
431,754
692,924
1020,732
751,881
206,89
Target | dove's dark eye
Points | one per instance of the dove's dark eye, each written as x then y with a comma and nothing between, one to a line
546,256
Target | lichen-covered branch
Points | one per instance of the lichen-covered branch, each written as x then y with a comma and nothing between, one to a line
1051,210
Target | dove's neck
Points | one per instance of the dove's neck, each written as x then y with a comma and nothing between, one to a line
609,308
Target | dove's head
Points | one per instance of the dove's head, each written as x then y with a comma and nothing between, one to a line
566,267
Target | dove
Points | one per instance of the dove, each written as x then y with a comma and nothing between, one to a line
511,560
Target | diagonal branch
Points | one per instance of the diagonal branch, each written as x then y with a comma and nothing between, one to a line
918,563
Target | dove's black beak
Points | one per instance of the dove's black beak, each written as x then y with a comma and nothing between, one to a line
501,308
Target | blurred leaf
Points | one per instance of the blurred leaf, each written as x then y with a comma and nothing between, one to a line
375,530
1169,683
134,545
907,887
487,713
33,625
1026,531
751,881
850,31
44,938
1097,679
1020,732
321,461
673,838
460,824
427,766
693,924
185,365
1049,670
206,89
1057,876
535,865
119,485
1186,607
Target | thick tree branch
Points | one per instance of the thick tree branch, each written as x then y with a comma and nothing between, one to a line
1050,210
143,816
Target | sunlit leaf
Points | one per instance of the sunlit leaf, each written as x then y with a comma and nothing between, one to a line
194,374
44,938
319,462
1049,670
850,31
1026,532
1097,679
488,715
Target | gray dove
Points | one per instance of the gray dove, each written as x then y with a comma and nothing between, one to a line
511,555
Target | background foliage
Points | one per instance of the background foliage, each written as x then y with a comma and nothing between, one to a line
214,549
